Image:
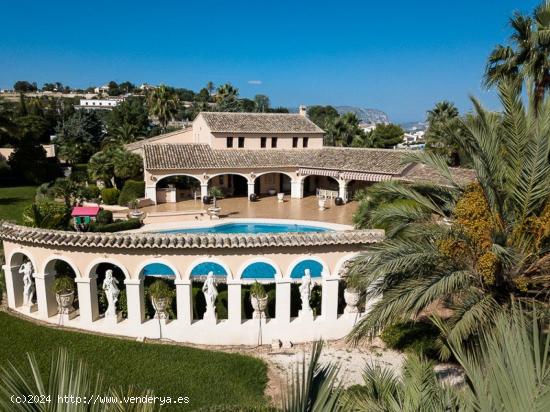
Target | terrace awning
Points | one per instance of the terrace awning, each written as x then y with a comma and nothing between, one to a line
318,172
368,177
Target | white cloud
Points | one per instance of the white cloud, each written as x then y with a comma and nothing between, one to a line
254,82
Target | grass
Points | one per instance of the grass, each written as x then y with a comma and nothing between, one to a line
13,200
208,378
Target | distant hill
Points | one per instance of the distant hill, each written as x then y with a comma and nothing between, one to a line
365,115
414,126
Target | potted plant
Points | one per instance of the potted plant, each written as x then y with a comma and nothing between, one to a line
258,300
135,213
216,192
161,296
63,288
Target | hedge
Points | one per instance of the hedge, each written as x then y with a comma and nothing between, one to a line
110,195
133,189
104,217
417,337
117,226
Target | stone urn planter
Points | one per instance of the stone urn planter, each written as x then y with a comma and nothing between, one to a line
160,306
322,203
258,300
65,302
161,296
272,192
351,296
207,200
280,197
253,197
338,201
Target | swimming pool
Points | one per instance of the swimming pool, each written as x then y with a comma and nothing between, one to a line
251,227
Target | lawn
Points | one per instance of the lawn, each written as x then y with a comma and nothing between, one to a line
13,200
208,378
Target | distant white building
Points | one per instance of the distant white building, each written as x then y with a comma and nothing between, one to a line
146,87
367,127
102,89
107,104
414,137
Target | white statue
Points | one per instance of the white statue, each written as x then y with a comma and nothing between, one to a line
210,294
110,286
28,283
305,291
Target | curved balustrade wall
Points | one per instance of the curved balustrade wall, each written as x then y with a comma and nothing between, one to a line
231,257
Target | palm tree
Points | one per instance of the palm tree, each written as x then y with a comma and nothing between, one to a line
125,133
527,55
344,130
443,125
163,104
68,377
469,247
210,87
510,372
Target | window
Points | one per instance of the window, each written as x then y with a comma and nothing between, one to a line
263,142
305,141
229,142
273,142
294,142
241,142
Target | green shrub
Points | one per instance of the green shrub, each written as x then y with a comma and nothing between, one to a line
63,284
417,337
257,290
133,189
104,217
159,289
117,226
90,192
110,195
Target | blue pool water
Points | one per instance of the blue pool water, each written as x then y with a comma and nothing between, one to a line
251,228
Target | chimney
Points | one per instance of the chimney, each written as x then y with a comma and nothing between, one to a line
302,110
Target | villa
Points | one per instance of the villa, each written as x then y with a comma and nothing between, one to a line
260,153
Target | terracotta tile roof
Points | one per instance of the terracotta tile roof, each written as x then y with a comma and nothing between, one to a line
259,123
127,240
422,173
140,143
200,156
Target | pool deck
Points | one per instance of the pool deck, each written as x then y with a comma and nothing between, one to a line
268,207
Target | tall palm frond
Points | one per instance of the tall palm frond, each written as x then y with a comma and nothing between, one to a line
312,388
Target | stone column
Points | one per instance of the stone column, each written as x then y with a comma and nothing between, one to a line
151,193
45,296
204,190
282,300
234,314
251,189
135,300
329,298
87,298
184,300
343,190
15,297
297,188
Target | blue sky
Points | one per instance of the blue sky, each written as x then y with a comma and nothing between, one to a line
397,56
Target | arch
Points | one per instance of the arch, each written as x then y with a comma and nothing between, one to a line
211,176
273,180
172,270
342,262
292,178
317,267
210,264
323,182
266,268
159,178
114,262
69,262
